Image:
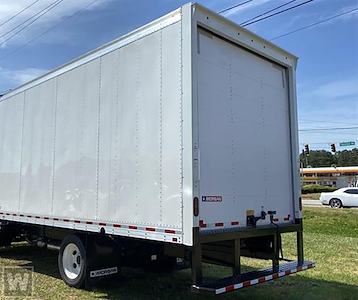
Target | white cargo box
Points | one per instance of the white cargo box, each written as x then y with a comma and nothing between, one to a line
125,137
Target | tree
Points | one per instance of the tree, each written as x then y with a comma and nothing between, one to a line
347,158
323,158
320,158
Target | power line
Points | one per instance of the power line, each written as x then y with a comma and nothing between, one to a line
277,13
343,135
34,20
266,12
326,143
33,16
20,12
330,120
234,6
302,123
314,24
327,121
53,27
332,128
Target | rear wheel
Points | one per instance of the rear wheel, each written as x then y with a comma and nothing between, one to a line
335,203
71,261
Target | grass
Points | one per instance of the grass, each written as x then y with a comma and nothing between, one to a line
337,223
311,196
330,237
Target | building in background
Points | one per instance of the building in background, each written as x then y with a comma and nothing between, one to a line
332,176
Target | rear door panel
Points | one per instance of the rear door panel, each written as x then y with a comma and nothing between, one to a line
244,135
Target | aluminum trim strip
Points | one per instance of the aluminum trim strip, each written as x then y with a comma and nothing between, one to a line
139,231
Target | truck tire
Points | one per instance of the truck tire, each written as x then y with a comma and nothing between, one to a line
72,261
335,203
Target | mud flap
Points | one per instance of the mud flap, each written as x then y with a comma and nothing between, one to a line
103,261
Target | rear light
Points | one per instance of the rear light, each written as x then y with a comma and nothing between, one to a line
196,206
300,203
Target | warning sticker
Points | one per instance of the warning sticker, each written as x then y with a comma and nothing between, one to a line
212,199
250,212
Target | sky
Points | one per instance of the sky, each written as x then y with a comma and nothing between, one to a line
327,73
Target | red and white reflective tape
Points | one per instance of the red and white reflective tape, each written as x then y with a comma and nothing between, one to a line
286,218
202,224
218,224
261,279
89,224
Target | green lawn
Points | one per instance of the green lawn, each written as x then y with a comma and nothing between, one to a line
312,196
331,240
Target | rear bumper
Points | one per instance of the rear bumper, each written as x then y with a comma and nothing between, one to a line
225,235
229,284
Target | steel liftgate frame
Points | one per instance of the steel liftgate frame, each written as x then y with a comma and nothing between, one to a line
240,280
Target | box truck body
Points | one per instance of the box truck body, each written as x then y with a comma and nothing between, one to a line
183,130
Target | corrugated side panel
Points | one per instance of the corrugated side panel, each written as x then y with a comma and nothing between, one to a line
38,148
75,163
140,167
244,139
11,115
100,144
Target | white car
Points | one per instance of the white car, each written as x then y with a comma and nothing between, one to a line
344,197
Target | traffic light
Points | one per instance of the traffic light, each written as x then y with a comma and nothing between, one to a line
333,148
307,149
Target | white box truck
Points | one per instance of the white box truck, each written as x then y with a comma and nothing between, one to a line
177,140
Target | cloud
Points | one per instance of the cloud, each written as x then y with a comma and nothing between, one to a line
306,18
338,89
335,96
347,17
246,7
328,102
19,77
9,8
329,89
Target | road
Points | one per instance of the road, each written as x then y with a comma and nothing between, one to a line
315,203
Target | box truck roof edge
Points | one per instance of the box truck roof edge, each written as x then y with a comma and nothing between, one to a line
168,18
291,59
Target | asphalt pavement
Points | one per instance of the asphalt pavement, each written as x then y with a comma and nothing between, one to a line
316,203
309,202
